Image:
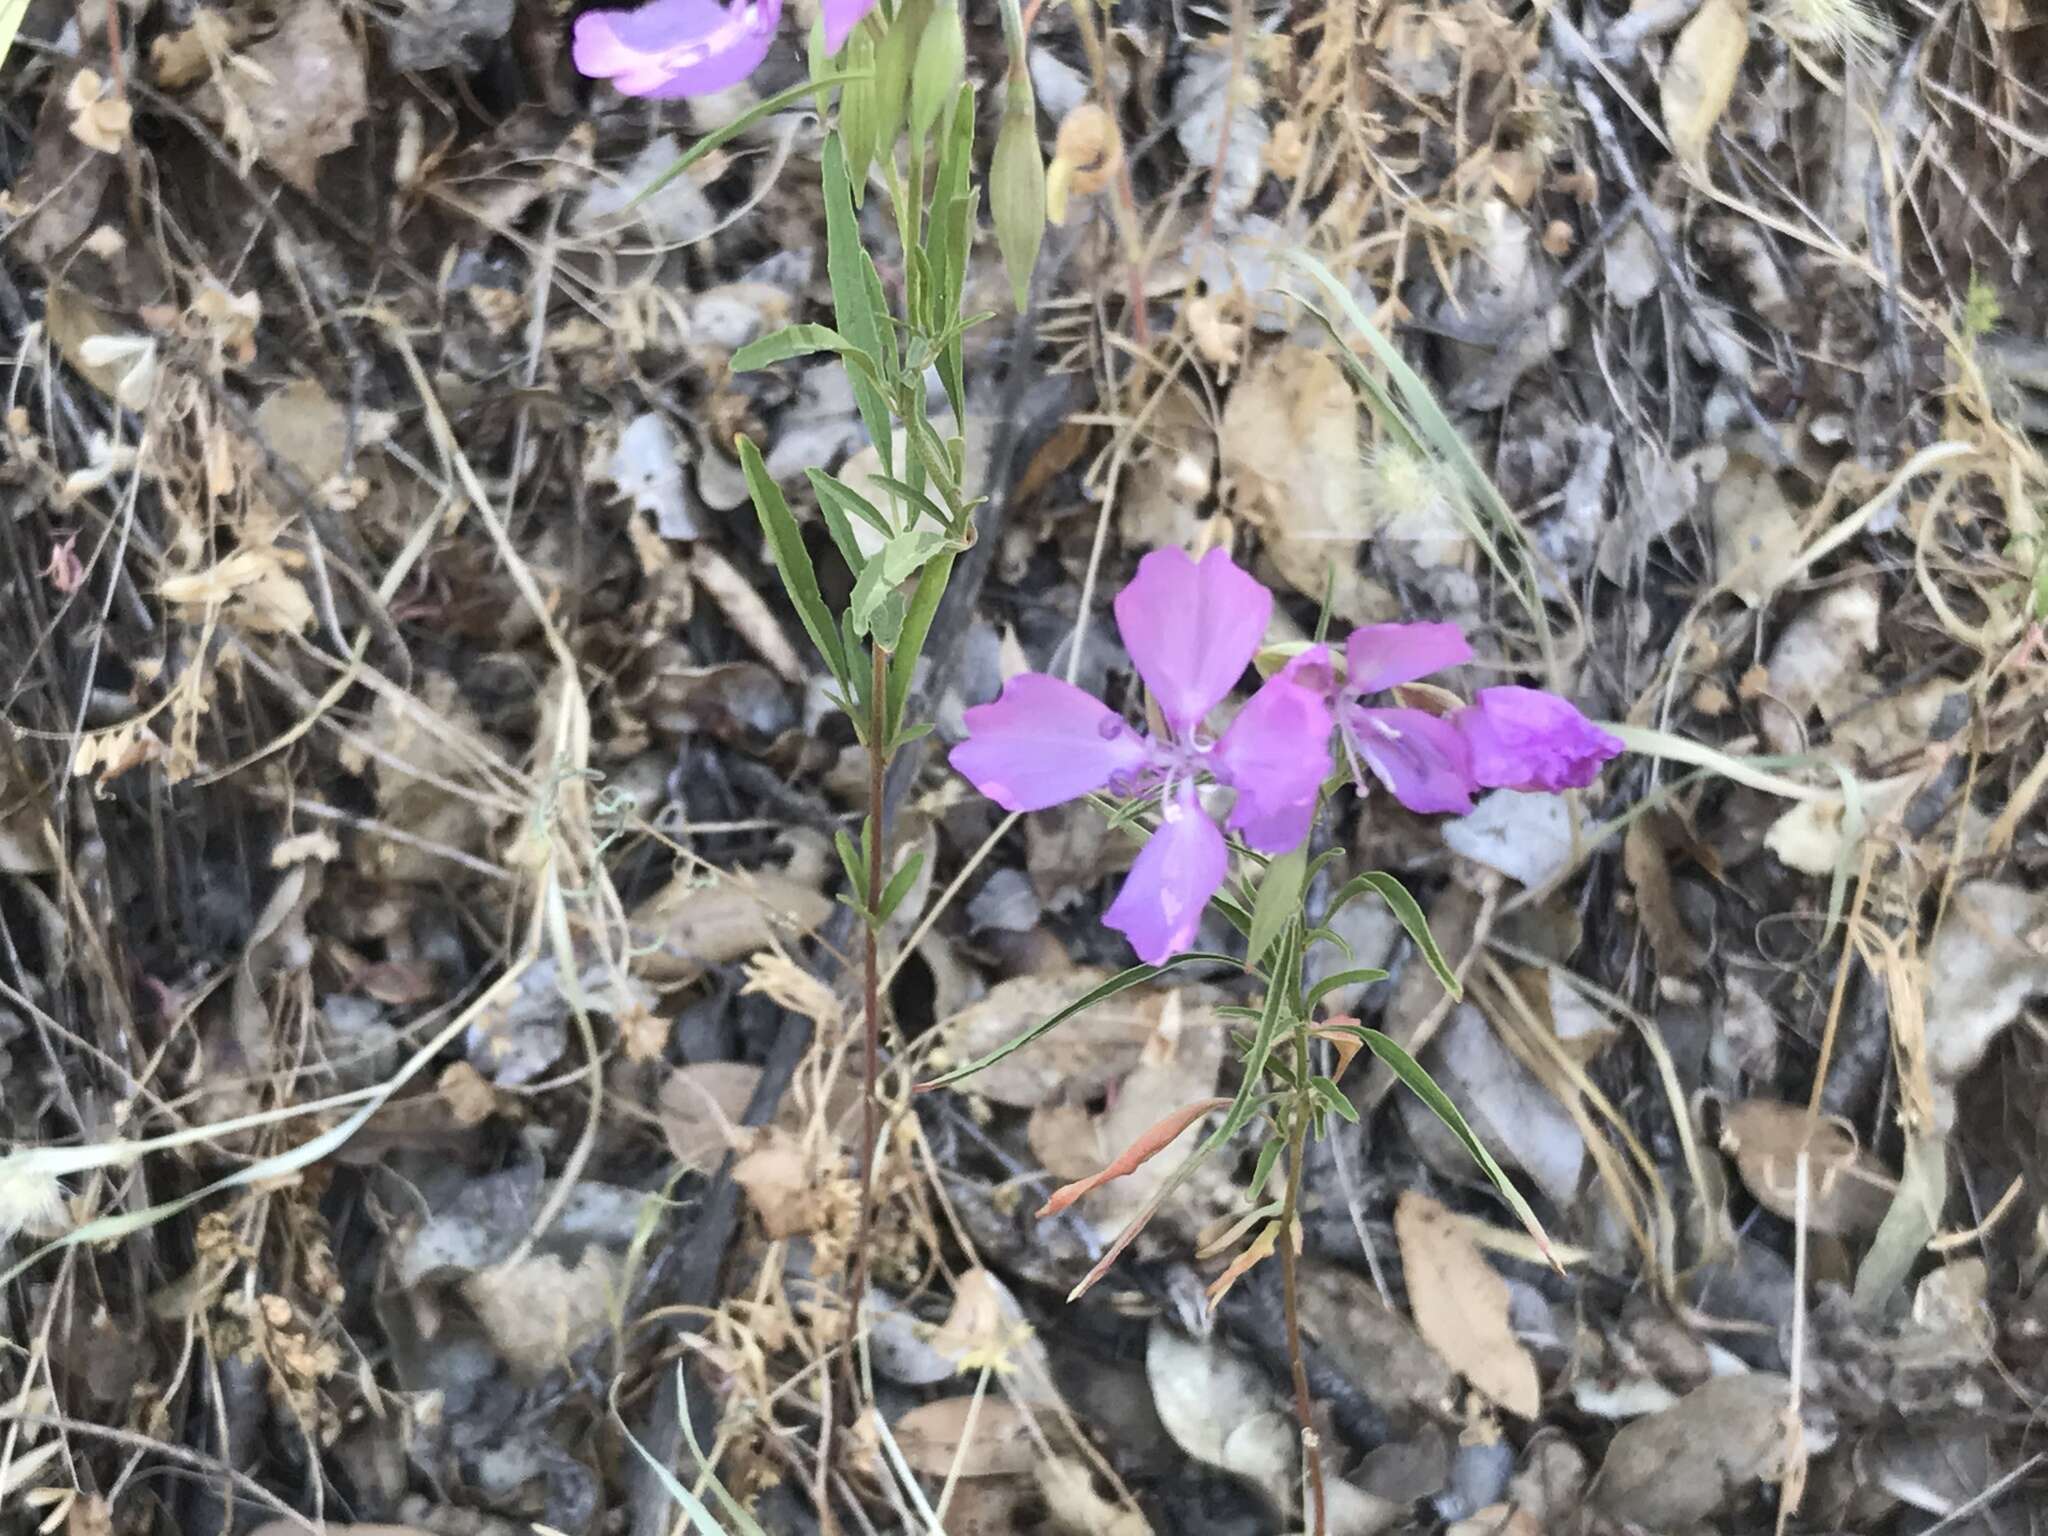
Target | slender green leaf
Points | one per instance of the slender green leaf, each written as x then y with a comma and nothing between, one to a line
1329,984
790,341
861,321
833,505
792,560
1434,428
1122,981
915,496
730,131
848,502
1334,1096
899,885
1262,1171
1424,1087
851,861
1278,903
917,624
1396,896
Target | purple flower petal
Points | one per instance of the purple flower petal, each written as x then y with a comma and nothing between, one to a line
1042,742
1380,655
1424,760
841,17
1191,630
1169,886
1276,755
676,47
1522,738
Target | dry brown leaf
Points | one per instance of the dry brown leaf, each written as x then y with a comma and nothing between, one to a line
1699,78
701,1106
1223,1410
783,1185
1153,1140
1342,1313
1848,1190
538,1311
1070,1498
988,1439
1815,663
986,1327
295,97
181,58
694,923
1649,875
58,196
1290,443
1460,1304
253,588
1678,1466
1179,1062
99,119
750,614
1062,1138
1756,530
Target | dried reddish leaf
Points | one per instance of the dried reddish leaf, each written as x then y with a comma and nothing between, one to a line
1139,1152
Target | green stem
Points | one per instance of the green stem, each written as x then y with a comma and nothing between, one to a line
1290,1298
871,985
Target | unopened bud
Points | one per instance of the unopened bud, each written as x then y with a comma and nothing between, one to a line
1085,155
1016,186
941,66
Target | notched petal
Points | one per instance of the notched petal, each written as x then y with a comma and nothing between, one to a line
1042,742
1160,906
1191,630
1276,755
1380,656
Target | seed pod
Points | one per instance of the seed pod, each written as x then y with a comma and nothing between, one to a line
1016,185
941,66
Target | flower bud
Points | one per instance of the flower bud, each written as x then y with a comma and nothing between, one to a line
940,68
1016,186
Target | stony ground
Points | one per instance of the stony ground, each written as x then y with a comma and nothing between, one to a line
416,802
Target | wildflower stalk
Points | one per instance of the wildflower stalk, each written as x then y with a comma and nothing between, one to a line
871,998
1290,1287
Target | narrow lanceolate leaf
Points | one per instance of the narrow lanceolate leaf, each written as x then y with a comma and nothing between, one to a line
899,885
1279,899
1405,910
851,861
861,320
1122,981
1363,976
1424,1087
835,503
950,238
790,341
704,146
792,560
917,624
1333,1098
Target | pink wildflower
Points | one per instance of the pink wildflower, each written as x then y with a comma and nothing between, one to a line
1191,631
1524,739
692,47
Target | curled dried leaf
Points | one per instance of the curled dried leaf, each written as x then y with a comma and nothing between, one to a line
1155,1140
